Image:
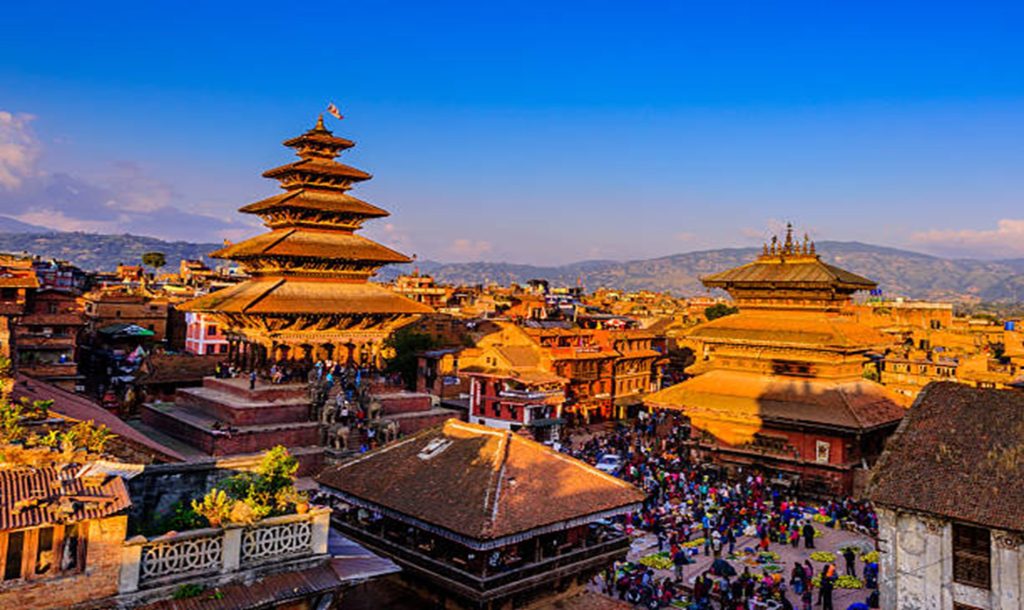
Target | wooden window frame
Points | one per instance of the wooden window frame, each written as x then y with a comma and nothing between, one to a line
972,560
30,548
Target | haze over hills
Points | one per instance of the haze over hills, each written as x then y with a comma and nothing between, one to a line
898,272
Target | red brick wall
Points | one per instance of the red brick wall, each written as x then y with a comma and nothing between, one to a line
394,404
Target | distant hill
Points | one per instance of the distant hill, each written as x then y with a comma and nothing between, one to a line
11,225
95,252
898,272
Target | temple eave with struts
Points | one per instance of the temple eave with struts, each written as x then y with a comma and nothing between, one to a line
309,294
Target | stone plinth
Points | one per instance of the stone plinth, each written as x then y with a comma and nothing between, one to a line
225,418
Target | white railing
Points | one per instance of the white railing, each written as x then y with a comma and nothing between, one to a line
149,563
192,553
270,540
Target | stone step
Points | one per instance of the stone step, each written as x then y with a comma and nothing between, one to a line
263,392
238,411
211,436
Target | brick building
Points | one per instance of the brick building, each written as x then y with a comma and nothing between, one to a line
60,537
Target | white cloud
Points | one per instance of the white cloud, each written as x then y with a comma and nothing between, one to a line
58,221
469,249
135,190
125,199
1004,241
19,149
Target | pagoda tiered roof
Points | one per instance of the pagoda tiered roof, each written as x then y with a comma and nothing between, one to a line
780,272
310,272
309,199
857,405
312,243
270,295
787,265
812,330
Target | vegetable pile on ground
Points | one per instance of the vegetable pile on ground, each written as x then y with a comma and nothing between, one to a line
658,561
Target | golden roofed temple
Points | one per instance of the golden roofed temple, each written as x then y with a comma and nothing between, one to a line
309,294
781,385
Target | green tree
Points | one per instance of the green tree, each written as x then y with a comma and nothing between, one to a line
719,310
154,260
406,344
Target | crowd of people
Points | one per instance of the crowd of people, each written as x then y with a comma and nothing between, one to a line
691,509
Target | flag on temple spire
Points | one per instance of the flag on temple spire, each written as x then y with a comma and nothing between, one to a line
334,111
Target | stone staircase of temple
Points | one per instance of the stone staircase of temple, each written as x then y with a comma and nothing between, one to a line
411,411
224,417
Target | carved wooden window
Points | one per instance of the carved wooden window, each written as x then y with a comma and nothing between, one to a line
972,556
42,552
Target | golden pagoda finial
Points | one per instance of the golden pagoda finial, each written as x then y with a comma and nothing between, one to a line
775,244
320,123
764,249
806,239
812,249
788,248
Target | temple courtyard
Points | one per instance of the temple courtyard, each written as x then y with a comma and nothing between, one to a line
830,540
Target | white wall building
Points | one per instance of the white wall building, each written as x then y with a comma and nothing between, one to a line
930,563
949,493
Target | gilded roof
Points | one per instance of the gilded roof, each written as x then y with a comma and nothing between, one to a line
296,295
958,455
309,199
519,355
778,272
480,482
803,328
309,243
854,405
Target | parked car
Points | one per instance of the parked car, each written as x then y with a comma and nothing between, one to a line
609,463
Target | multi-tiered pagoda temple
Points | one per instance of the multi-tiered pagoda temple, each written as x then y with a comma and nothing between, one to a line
309,296
781,385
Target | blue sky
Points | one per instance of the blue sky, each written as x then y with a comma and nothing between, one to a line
532,132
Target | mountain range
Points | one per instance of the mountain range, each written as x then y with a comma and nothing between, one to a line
898,272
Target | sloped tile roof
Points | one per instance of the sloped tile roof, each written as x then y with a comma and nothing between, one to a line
303,295
482,484
778,272
309,243
320,167
853,405
269,591
30,497
177,368
807,328
958,454
80,408
309,199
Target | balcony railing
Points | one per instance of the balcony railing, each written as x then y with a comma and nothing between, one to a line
165,560
506,581
529,394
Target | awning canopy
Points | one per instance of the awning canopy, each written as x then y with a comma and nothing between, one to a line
547,421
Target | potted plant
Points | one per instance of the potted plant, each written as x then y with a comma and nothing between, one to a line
289,497
215,506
